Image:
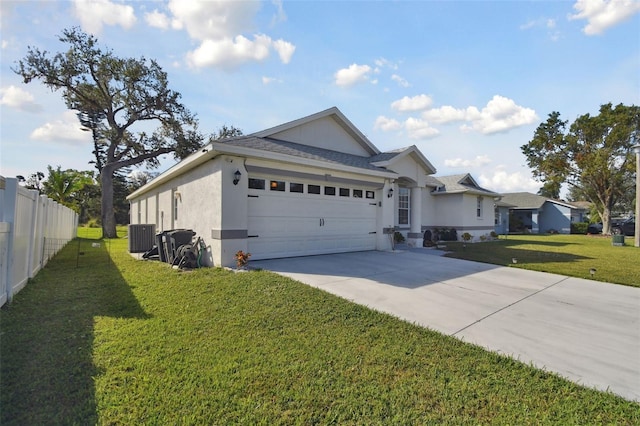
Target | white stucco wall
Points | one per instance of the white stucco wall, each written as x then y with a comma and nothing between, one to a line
459,211
407,167
323,133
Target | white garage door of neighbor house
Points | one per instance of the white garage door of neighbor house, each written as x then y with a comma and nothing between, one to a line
289,219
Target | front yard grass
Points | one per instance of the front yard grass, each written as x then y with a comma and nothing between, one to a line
100,338
571,255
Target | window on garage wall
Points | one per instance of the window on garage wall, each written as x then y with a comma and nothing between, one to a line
256,183
313,189
345,192
329,190
296,187
277,185
479,207
404,206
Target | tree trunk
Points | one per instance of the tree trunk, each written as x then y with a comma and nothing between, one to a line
606,220
108,215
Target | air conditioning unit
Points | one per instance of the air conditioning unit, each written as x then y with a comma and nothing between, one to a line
141,238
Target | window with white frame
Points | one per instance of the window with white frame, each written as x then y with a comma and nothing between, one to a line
176,197
479,207
404,206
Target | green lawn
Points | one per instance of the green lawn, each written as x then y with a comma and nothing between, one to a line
572,255
100,338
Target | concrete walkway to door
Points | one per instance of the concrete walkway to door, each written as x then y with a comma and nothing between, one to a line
584,330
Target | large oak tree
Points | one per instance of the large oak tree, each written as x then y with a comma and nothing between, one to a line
125,102
594,155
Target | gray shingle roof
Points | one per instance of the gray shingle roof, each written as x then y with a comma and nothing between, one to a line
524,200
383,156
527,200
302,151
457,183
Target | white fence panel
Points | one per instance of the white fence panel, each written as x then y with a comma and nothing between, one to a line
33,228
4,256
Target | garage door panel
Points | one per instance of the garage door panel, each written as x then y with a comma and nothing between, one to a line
283,224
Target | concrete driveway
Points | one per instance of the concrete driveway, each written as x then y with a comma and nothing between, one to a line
584,330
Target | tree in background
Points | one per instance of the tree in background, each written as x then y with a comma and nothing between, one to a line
594,155
34,181
550,189
120,99
63,185
225,132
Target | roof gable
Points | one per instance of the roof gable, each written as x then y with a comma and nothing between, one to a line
386,159
463,183
328,129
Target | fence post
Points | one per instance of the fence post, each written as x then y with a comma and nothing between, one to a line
10,201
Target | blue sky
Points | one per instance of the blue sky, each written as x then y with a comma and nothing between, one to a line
466,82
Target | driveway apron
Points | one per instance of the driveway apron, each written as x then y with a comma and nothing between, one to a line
583,330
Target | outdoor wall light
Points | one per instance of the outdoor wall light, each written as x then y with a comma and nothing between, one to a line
390,193
236,177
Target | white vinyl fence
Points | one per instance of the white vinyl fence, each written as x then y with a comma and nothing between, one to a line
33,228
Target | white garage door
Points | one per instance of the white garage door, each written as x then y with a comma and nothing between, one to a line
300,218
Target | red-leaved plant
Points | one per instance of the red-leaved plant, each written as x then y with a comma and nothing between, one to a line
242,258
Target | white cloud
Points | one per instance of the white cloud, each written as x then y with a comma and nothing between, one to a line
355,73
65,130
157,20
19,99
500,114
448,114
269,80
214,20
280,15
93,14
387,124
401,81
285,50
228,53
479,161
385,63
603,14
219,27
503,181
548,23
419,129
416,103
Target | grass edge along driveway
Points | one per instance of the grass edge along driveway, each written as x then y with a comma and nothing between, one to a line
571,255
100,338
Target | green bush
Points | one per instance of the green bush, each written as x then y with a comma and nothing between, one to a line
579,228
93,223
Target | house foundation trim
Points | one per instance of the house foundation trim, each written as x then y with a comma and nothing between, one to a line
459,228
229,234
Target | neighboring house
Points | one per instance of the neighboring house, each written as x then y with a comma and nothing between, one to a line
315,185
502,217
539,214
